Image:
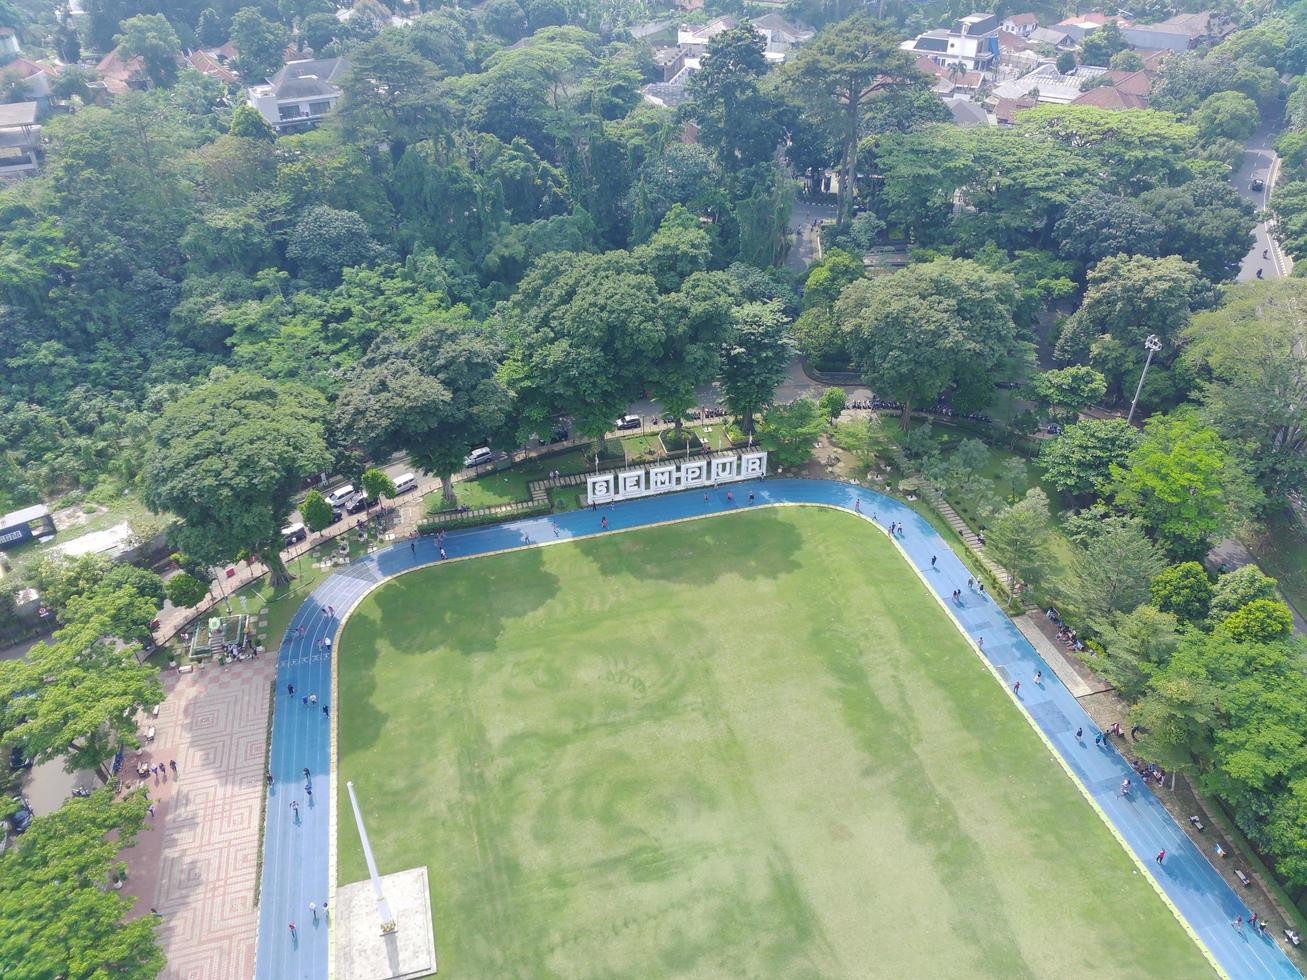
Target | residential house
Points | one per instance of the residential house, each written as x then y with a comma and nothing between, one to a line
27,80
668,63
1006,110
1020,24
671,93
1018,54
1047,84
781,35
694,39
1128,90
1179,33
689,6
1054,37
119,73
967,114
207,64
1080,26
9,41
20,140
972,42
301,94
642,31
957,84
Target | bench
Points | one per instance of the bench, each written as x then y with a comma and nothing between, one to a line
1198,824
185,669
1243,878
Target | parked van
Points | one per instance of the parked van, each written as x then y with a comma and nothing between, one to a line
478,456
404,483
341,494
292,533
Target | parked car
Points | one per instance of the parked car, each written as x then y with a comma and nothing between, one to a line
20,815
340,495
627,422
479,456
558,433
1258,183
404,483
356,503
19,759
1054,429
292,533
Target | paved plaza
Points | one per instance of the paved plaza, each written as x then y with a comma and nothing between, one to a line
197,865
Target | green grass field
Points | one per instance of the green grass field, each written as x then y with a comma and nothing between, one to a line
747,746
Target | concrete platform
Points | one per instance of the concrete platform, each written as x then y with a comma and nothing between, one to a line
362,952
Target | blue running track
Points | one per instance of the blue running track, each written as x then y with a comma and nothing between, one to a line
295,850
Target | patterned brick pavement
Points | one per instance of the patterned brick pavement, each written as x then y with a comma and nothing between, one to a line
197,865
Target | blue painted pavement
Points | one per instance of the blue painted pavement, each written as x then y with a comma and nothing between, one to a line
295,852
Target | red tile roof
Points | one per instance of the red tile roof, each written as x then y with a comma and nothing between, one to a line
1108,97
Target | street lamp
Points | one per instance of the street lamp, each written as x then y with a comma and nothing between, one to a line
1151,344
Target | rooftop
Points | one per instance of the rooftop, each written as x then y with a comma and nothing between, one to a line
23,515
17,114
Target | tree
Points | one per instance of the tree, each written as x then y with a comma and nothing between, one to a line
436,397
392,93
1226,115
227,457
1132,150
376,484
151,38
754,360
1236,589
320,30
1112,571
60,577
259,44
1072,388
325,241
505,19
1102,224
1183,590
697,320
316,512
77,697
789,431
1205,221
1137,644
1017,535
185,591
930,326
1259,621
1066,63
828,276
1126,60
831,403
1101,46
835,75
248,123
735,118
122,604
1182,481
208,29
1253,353
58,869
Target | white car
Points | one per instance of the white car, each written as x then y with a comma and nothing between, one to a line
294,532
338,496
628,422
479,456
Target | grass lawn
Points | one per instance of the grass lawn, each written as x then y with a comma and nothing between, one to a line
511,484
1281,552
812,777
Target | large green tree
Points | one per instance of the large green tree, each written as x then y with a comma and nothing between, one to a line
1111,571
227,457
1252,351
77,697
58,918
152,39
436,397
259,44
1017,536
1184,483
754,359
735,117
833,78
928,327
1080,460
789,432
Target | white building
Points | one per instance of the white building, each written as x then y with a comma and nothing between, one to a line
781,35
301,94
20,140
972,42
1021,24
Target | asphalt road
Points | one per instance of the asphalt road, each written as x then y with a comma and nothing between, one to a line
1260,160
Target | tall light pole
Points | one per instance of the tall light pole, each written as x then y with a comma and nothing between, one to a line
1152,344
383,907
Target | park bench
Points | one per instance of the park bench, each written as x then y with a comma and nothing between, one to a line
1243,878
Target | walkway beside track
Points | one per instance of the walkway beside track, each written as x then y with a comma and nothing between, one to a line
296,849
